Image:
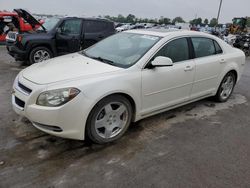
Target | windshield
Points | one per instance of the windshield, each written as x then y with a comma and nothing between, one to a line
50,23
123,49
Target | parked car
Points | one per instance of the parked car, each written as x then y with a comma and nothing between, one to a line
123,27
98,92
57,36
137,27
17,20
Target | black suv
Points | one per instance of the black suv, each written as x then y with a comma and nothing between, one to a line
57,36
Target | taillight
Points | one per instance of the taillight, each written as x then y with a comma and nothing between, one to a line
19,38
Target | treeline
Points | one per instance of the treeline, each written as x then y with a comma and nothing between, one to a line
162,20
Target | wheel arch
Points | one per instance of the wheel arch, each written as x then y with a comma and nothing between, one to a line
225,72
235,73
46,45
124,94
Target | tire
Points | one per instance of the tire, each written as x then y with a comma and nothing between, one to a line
41,51
109,119
226,87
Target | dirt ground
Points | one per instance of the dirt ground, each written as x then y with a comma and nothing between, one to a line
204,144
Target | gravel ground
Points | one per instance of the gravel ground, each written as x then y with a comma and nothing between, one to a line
204,144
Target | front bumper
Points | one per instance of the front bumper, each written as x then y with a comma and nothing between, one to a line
67,121
14,51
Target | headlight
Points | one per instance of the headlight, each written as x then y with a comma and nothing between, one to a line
57,97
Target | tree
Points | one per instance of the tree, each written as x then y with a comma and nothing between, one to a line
130,18
213,22
166,21
206,21
248,21
178,20
121,18
163,20
197,21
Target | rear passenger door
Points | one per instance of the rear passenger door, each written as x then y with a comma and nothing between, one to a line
209,62
94,31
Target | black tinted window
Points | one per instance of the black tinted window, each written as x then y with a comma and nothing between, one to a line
203,47
94,26
71,27
176,50
217,48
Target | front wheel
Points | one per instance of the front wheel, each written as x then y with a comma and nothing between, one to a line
40,54
109,119
226,87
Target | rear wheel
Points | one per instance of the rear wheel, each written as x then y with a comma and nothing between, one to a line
40,54
226,87
109,119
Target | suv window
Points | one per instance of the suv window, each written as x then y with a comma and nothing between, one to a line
92,26
177,50
203,47
71,27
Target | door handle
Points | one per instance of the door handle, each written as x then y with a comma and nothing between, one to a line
188,68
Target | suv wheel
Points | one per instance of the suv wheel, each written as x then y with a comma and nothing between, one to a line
109,119
39,54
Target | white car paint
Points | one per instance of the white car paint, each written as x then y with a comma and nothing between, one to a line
152,90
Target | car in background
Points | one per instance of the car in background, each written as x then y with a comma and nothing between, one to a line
137,26
57,36
18,21
123,27
98,92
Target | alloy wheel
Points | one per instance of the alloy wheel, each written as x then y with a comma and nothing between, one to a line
227,87
41,55
111,120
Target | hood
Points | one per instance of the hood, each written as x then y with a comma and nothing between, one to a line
66,67
28,17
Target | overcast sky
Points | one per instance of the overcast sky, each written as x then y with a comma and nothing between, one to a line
141,8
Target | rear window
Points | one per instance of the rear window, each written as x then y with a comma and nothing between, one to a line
217,48
92,26
203,47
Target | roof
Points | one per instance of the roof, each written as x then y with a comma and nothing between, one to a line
87,18
168,32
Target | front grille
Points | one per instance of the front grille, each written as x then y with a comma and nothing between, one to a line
24,88
19,102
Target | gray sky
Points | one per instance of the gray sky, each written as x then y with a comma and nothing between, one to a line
141,8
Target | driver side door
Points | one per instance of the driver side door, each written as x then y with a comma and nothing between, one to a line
163,87
68,36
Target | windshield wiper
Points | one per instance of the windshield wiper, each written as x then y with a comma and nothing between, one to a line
84,53
107,61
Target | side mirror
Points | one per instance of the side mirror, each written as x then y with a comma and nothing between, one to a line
161,61
59,30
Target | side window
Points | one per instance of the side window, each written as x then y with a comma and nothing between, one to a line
177,50
71,27
92,26
218,48
203,47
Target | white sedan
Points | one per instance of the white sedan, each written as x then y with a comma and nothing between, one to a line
98,92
